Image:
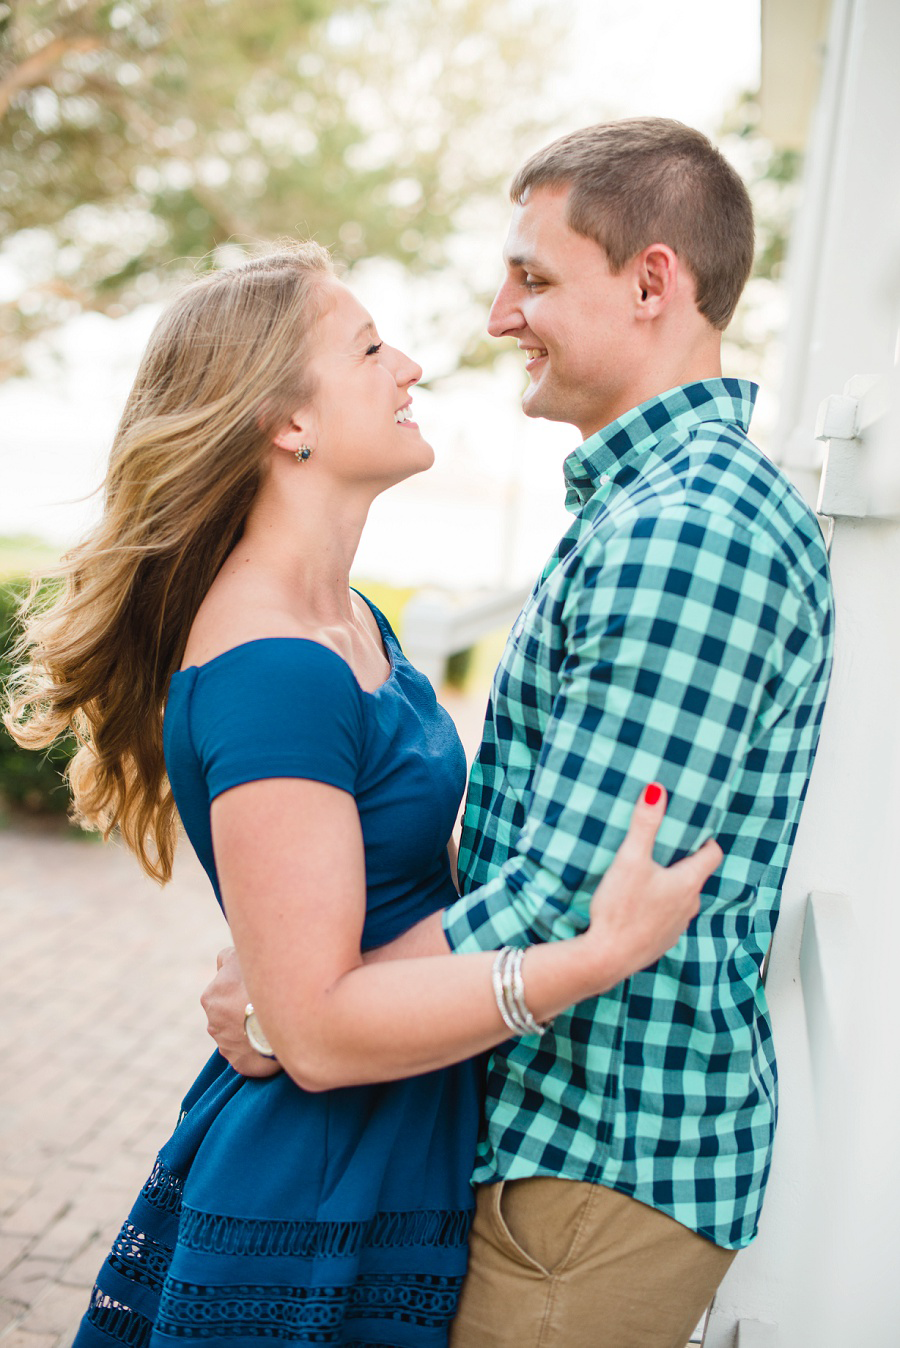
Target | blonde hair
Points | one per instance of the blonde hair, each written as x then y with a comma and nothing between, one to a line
650,180
223,371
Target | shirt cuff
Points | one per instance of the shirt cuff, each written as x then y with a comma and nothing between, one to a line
512,909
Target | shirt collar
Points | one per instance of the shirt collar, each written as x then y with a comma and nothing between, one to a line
631,443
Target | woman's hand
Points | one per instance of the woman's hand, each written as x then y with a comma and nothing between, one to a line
640,909
224,1001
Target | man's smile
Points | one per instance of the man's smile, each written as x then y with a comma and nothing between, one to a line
533,354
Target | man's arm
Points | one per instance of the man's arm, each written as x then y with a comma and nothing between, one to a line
676,630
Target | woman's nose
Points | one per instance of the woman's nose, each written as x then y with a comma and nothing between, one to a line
408,371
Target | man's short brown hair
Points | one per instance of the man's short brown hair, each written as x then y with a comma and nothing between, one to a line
651,180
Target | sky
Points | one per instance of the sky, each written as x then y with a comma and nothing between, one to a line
652,58
491,509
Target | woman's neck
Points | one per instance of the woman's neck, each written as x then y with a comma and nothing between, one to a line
289,576
305,542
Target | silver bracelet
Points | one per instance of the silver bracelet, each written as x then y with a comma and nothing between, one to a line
256,1037
531,1026
501,959
506,983
509,992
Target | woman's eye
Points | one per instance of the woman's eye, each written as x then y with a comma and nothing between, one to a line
374,348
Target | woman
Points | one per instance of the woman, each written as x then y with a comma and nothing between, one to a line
208,637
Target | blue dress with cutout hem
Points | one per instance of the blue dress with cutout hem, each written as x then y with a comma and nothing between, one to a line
338,1217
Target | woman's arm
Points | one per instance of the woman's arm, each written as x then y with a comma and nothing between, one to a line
453,858
289,855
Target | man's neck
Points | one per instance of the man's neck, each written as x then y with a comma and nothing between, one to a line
703,361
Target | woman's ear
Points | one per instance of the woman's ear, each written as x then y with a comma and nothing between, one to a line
296,433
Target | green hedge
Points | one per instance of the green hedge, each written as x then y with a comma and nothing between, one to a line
30,779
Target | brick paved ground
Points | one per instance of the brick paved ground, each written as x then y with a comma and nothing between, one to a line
101,1032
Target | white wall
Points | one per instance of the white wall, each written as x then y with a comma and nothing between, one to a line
825,1271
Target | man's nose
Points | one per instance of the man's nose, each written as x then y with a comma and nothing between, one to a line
504,317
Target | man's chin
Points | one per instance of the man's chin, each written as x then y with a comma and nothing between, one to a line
536,403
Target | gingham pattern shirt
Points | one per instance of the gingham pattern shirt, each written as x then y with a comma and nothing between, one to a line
681,632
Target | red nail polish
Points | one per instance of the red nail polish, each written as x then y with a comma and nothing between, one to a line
652,794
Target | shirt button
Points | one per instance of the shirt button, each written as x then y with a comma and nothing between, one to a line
604,478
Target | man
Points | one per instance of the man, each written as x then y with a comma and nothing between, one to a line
681,633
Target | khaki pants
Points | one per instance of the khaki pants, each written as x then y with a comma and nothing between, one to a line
562,1264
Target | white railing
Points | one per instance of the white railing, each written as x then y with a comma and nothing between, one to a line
437,624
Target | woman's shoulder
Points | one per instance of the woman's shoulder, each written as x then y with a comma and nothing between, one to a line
291,653
241,618
240,651
273,706
240,630
373,615
271,687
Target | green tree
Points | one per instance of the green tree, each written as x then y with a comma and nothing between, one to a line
140,136
773,178
773,175
30,779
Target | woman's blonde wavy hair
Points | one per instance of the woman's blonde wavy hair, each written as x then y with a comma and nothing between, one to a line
225,368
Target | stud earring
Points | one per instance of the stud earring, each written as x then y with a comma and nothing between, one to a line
302,453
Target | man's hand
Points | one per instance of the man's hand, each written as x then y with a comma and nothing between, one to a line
224,1000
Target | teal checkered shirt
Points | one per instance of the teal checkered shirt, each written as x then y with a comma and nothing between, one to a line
681,632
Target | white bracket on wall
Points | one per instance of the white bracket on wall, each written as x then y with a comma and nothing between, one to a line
755,1334
844,422
829,954
842,487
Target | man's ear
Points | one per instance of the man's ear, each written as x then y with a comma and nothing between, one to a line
656,271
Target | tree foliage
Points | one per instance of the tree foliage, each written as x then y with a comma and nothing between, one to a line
773,178
774,181
31,779
142,137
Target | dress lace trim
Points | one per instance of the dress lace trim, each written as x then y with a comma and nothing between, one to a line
163,1189
207,1231
140,1258
259,1310
190,1310
120,1323
124,1325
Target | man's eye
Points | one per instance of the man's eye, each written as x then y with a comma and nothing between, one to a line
532,283
374,348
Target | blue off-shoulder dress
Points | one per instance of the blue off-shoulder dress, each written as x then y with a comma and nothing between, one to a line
338,1217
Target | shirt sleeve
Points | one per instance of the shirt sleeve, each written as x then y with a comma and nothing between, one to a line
282,707
683,639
